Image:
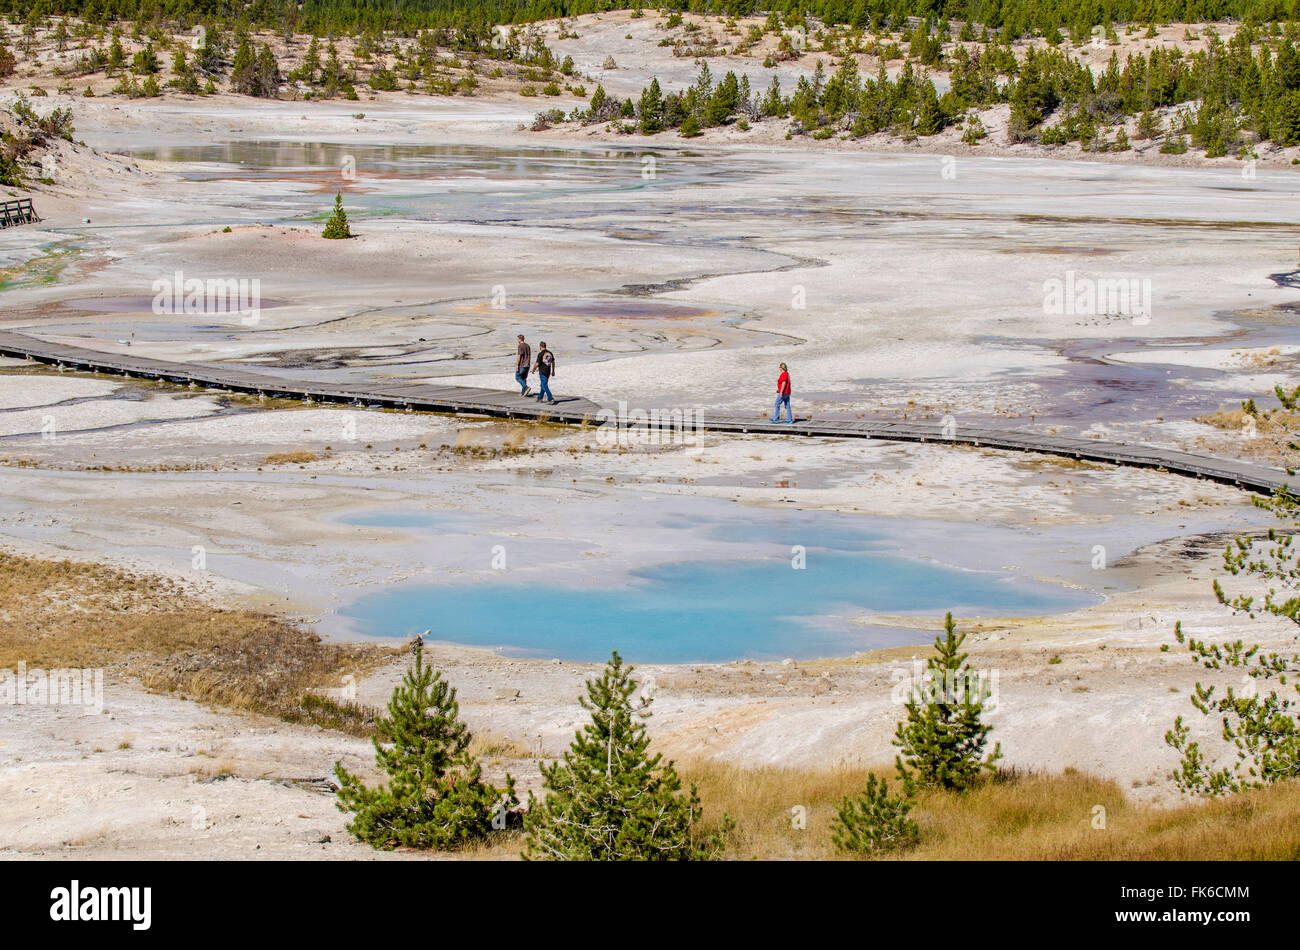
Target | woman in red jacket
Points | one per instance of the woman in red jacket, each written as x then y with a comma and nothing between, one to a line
783,396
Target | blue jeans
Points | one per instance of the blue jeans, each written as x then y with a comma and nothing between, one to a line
544,382
776,410
521,377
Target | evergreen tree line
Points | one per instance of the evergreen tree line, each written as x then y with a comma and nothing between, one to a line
1250,84
819,105
254,70
1236,92
1013,18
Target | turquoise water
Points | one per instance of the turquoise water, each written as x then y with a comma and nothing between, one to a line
747,607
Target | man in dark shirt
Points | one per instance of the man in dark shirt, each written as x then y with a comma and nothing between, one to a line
545,370
523,359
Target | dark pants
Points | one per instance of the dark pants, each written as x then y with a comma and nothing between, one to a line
521,377
544,382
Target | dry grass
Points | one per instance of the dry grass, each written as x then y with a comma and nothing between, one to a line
1266,437
761,803
214,771
495,746
491,443
1234,420
68,614
1057,463
300,457
1018,817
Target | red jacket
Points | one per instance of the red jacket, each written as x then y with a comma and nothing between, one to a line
783,384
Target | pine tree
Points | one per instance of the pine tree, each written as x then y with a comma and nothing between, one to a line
1149,126
1174,145
943,737
145,61
116,54
650,109
310,63
974,130
931,118
186,80
332,76
266,82
336,227
435,797
243,74
1259,719
30,26
8,62
773,103
746,97
608,799
723,102
1285,120
875,821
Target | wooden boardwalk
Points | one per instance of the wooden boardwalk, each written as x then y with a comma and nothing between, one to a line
14,213
467,400
391,395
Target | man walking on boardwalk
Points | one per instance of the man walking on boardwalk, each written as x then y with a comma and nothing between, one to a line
545,370
523,360
783,397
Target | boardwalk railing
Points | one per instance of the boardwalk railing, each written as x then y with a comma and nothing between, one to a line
576,411
14,213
